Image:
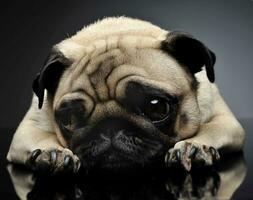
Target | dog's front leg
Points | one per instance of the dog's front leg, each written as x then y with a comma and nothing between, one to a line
223,133
40,151
37,147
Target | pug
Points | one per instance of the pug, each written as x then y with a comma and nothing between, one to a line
121,94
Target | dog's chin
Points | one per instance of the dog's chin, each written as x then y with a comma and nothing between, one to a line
117,161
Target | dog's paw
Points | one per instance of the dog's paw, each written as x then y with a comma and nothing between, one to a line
53,161
188,154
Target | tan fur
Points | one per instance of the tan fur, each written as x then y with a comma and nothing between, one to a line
102,54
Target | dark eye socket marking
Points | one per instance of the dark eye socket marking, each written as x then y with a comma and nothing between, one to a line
70,116
152,103
70,103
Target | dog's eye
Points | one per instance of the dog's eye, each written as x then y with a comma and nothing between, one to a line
68,121
70,118
156,109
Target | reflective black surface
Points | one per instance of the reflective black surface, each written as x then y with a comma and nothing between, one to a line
232,178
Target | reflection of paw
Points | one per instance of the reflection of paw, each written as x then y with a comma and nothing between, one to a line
194,186
189,154
53,161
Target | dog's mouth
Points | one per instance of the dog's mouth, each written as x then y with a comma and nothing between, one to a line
119,144
121,150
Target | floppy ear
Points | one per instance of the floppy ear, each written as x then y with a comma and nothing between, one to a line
49,75
190,52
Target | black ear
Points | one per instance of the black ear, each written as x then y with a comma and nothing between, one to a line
190,52
49,75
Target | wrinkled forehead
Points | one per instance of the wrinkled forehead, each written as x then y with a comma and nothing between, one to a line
104,67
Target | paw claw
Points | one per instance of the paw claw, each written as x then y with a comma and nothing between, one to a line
178,155
78,165
53,156
32,158
66,161
214,154
35,154
212,150
193,152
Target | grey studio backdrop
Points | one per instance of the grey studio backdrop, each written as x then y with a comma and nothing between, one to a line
30,28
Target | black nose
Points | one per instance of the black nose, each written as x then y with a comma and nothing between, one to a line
113,135
111,127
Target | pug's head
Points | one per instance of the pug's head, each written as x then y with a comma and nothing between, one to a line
122,91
